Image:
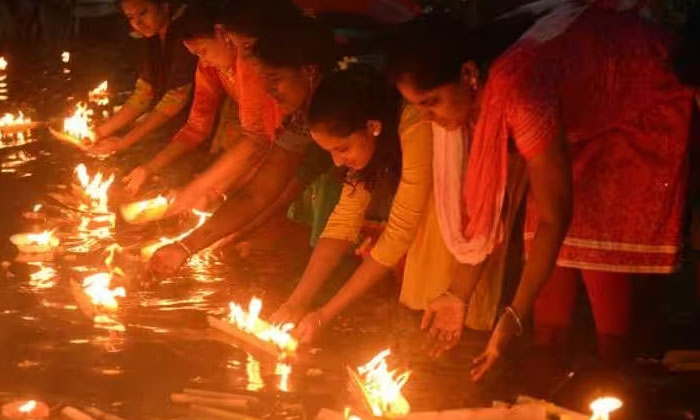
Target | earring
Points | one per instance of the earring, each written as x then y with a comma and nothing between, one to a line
473,83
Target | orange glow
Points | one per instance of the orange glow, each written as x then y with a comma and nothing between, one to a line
250,322
602,407
65,56
145,211
381,388
27,407
97,288
9,120
79,124
35,243
252,368
94,188
283,370
99,95
3,64
148,250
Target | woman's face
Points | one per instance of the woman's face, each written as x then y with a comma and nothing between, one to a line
448,105
243,43
212,52
146,17
354,151
290,87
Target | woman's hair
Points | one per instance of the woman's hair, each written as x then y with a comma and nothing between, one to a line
687,62
297,44
256,17
345,101
195,22
432,48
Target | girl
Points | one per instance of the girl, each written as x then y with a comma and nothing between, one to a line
166,75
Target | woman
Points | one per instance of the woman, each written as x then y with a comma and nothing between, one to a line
166,75
588,107
246,130
292,59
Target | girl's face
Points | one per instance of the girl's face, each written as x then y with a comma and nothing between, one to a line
212,51
354,151
290,87
146,17
448,105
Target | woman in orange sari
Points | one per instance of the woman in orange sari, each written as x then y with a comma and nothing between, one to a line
591,105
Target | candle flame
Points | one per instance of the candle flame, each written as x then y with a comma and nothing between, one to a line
10,119
27,407
36,208
602,407
382,388
78,125
65,56
149,250
250,322
94,188
99,95
3,64
97,288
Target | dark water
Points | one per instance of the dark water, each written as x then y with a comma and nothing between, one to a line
158,341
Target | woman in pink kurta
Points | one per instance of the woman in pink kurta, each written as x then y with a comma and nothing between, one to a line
599,86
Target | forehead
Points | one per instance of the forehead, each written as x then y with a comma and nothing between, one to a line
326,139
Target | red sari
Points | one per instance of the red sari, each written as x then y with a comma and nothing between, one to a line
606,83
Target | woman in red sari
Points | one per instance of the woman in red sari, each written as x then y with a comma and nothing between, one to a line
591,104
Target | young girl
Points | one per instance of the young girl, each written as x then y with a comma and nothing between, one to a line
167,70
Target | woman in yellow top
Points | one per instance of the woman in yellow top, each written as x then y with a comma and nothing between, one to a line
354,117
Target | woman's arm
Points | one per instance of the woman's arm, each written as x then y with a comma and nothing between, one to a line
124,116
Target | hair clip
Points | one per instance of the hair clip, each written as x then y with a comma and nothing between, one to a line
346,62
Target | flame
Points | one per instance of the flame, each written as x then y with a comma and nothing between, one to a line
146,210
109,261
97,288
252,368
382,388
42,279
347,415
10,120
36,208
3,64
27,407
99,95
251,323
41,239
149,250
65,56
94,188
78,124
283,370
602,407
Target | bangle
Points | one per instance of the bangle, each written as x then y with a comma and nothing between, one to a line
512,312
185,248
220,194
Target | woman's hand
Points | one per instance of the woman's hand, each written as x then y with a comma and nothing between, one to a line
309,327
167,260
135,180
444,320
189,198
507,328
108,146
288,312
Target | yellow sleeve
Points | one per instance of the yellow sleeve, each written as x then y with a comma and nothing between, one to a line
413,191
174,100
142,97
348,215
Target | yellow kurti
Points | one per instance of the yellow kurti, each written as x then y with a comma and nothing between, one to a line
412,229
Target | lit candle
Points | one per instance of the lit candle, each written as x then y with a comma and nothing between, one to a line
145,211
25,410
602,407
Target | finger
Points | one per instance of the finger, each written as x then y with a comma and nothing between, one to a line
446,335
480,359
428,315
481,370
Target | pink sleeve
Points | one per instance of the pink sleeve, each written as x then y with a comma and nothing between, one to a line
208,93
533,110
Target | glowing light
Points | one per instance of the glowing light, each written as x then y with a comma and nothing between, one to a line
99,95
381,388
148,251
36,208
145,211
252,368
602,407
3,64
94,188
27,407
283,370
65,56
79,124
9,120
97,287
251,323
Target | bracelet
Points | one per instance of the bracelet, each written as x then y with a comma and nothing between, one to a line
221,195
512,312
185,248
